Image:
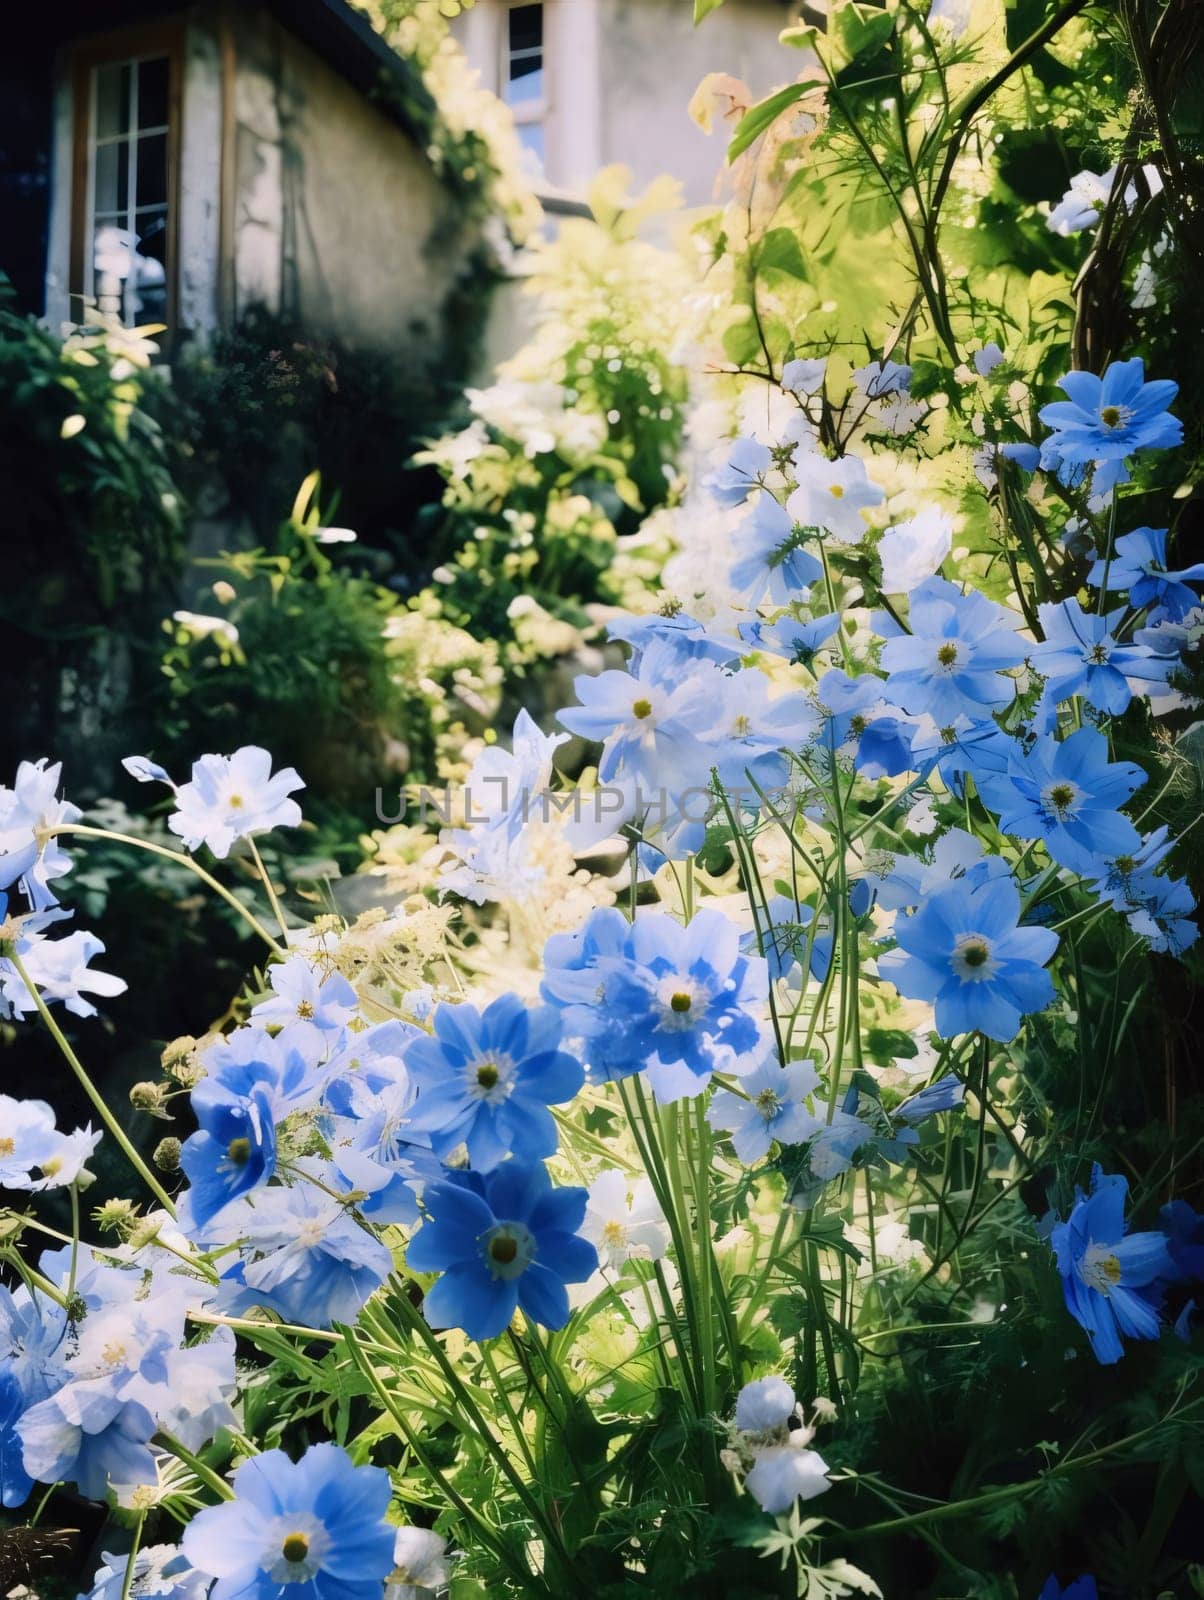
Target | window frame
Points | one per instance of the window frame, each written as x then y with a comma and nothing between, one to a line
125,45
529,112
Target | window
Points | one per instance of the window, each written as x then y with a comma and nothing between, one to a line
124,206
524,79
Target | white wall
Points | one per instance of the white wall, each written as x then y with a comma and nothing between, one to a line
339,217
620,76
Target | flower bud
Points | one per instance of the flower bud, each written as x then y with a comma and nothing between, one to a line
116,1216
150,1097
167,1155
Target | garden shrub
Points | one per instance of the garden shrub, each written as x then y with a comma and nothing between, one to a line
93,535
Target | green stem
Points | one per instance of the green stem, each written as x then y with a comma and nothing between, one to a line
89,1088
132,1559
181,859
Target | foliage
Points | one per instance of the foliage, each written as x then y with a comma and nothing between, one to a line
324,665
94,537
257,409
575,442
471,136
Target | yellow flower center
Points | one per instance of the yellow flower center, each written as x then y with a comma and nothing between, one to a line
947,655
295,1547
236,802
239,1152
614,1234
680,1002
1061,796
836,491
305,1010
642,709
7,1147
1110,416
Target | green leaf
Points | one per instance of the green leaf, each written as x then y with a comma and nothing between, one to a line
860,30
779,252
759,117
703,8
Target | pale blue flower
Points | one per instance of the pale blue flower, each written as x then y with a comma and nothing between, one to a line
965,953
770,1106
314,1529
233,797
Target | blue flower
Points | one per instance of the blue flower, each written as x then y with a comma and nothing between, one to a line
771,1105
160,1570
250,1058
303,1256
30,1140
649,719
1081,1589
1118,875
486,1080
1138,564
30,854
1107,419
731,483
1110,1278
233,1153
302,992
882,377
377,1153
768,557
950,663
15,1482
965,952
677,1001
692,640
1162,912
797,640
955,855
750,731
90,1435
1067,794
501,1240
784,925
314,1528
1080,655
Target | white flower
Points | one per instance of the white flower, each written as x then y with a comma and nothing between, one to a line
763,1404
623,1223
205,627
914,550
301,993
66,1162
832,495
803,377
58,968
233,797
422,1565
26,811
28,1139
783,1474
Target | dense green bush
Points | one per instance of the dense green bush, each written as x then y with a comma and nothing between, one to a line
93,532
